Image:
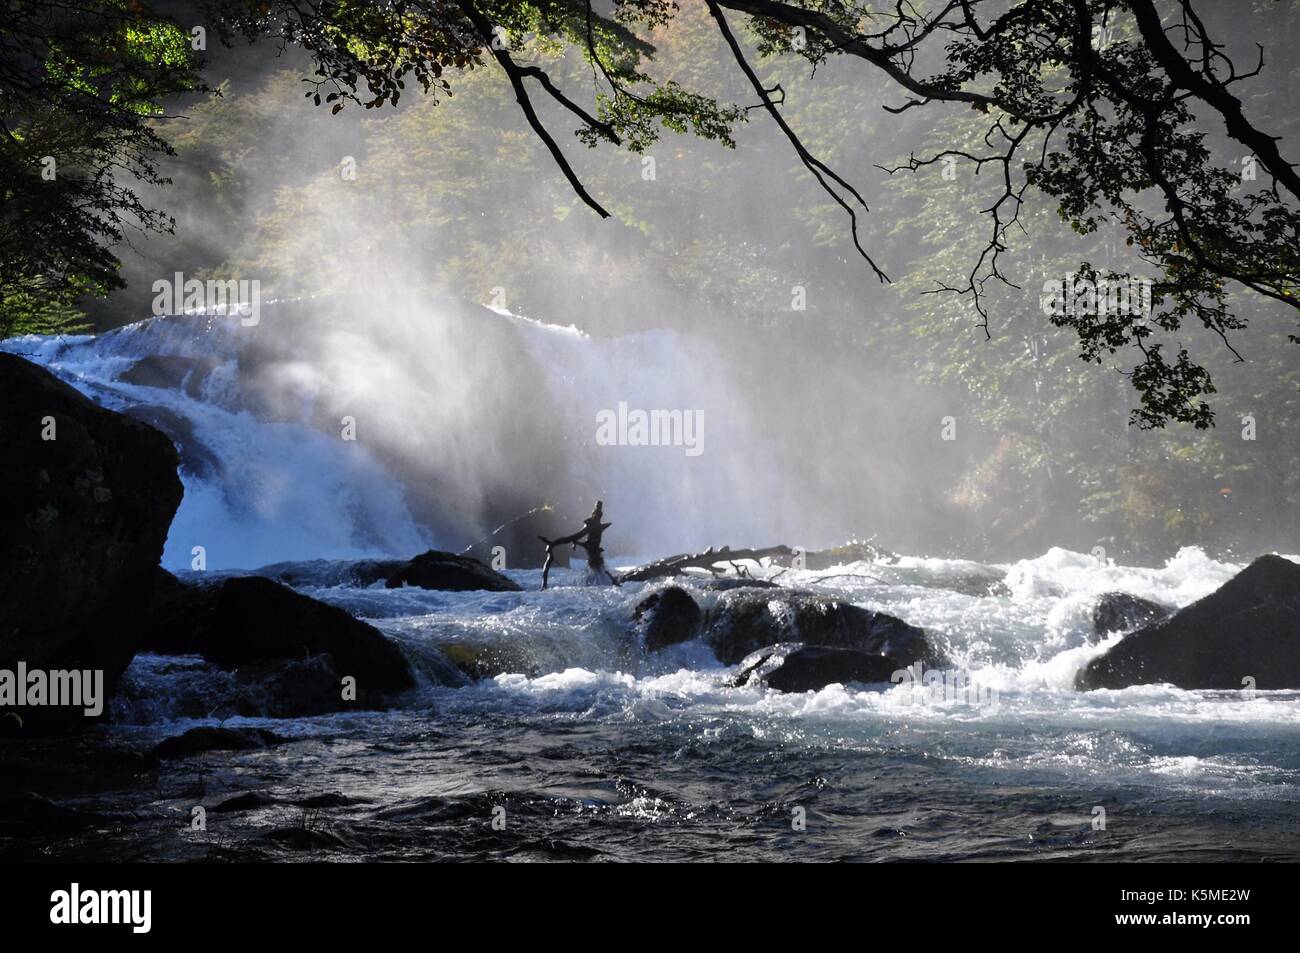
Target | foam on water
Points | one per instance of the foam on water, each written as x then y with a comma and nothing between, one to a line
287,492
283,490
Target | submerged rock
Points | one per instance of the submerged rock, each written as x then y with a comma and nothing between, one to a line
245,622
248,801
798,667
745,620
331,572
200,740
478,661
667,617
171,371
1125,612
450,572
88,496
1249,628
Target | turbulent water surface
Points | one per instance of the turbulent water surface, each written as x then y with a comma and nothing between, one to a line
595,750
588,748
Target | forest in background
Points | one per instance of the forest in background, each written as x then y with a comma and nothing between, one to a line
461,197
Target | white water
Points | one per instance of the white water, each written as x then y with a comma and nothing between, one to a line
288,491
427,392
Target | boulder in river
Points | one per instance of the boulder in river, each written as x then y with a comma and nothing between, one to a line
450,572
88,496
1244,634
798,667
745,620
197,458
201,740
666,617
171,371
249,620
1125,612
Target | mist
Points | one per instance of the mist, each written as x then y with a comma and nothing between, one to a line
430,275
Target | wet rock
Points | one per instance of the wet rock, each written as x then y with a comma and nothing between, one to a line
977,581
82,527
450,572
328,800
249,621
1125,612
70,765
798,667
667,617
196,457
289,688
201,740
171,372
248,801
745,620
29,815
1249,628
331,572
477,661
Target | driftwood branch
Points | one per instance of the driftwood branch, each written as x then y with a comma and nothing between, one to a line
707,560
589,537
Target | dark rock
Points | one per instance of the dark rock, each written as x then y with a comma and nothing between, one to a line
71,765
667,617
1248,628
170,371
82,527
200,740
248,801
290,688
329,799
1124,612
981,581
478,661
745,620
449,572
246,622
331,572
30,815
797,667
196,457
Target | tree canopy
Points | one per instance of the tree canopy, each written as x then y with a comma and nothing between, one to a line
1091,103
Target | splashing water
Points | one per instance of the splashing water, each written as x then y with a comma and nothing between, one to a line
588,724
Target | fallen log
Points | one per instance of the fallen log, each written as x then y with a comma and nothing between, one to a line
707,560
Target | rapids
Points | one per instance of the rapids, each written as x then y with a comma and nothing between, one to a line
598,750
